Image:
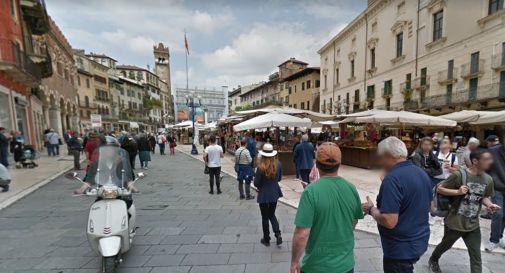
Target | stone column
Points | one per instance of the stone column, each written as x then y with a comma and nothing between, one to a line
55,120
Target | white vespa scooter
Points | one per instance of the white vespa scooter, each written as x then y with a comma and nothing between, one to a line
111,224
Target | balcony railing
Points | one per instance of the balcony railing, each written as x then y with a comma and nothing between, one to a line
421,83
102,99
17,64
498,62
387,92
447,77
470,70
405,87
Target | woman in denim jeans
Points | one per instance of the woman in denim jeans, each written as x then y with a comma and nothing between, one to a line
267,178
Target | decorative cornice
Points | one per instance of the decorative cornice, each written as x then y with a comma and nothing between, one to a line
372,42
399,26
436,5
352,55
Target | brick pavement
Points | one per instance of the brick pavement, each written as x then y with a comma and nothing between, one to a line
182,229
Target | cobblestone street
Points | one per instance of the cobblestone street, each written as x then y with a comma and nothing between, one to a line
181,229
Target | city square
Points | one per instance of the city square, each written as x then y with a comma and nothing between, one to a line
336,136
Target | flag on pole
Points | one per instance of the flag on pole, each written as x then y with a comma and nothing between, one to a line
186,45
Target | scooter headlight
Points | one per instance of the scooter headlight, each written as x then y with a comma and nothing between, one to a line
110,192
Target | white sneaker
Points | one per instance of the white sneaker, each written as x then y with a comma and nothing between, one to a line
501,243
491,246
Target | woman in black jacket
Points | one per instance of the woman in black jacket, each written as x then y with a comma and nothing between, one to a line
267,178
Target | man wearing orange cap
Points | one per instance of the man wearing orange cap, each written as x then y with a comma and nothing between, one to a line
327,214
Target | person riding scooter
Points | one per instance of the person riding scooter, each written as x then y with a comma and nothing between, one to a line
111,161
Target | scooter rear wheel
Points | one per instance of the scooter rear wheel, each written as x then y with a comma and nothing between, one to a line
109,265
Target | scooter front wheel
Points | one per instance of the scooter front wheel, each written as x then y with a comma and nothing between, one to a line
109,265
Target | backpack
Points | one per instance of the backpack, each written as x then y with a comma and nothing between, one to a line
443,203
453,157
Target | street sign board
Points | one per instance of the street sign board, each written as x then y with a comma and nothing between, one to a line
96,120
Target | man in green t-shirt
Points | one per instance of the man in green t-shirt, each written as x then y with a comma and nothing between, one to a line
469,194
327,214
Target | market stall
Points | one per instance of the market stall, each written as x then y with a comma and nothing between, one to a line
184,132
278,129
360,133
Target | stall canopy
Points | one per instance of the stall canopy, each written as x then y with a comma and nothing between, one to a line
476,117
273,119
401,118
466,115
183,124
289,111
491,118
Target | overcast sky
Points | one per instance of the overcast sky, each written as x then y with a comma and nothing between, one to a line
231,42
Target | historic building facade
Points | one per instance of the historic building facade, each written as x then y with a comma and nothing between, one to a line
213,104
59,92
429,56
303,89
24,61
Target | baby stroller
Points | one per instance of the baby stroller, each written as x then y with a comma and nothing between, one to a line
25,156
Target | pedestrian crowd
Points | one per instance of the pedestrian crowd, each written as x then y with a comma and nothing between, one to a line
470,178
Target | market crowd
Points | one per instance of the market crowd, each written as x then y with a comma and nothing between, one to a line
459,183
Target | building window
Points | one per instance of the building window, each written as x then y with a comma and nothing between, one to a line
295,88
352,68
303,86
289,90
370,92
308,84
337,76
408,81
302,105
399,44
388,87
424,76
372,58
438,24
450,69
12,4
474,63
495,6
87,83
78,80
308,105
318,83
86,101
324,106
330,106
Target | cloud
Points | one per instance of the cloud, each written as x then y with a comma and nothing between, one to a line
261,49
207,24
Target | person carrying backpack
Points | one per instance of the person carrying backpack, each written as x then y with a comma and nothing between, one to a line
469,190
447,159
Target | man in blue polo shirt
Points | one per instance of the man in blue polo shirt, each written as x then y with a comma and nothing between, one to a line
403,205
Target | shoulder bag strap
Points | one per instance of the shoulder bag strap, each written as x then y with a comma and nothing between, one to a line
464,176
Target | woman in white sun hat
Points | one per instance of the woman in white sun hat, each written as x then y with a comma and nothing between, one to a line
267,178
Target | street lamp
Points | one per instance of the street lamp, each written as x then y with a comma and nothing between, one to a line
193,103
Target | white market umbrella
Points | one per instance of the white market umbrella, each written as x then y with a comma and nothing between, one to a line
491,118
183,124
402,118
467,115
273,119
315,116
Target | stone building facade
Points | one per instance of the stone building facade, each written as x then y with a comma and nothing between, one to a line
213,104
59,92
24,61
431,56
